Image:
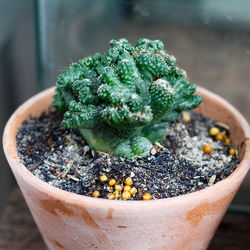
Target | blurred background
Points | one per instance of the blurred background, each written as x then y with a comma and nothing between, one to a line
39,39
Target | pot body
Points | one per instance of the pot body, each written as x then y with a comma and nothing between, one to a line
71,221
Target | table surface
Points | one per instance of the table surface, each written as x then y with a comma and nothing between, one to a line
18,230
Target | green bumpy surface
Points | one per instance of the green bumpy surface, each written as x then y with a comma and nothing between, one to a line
123,100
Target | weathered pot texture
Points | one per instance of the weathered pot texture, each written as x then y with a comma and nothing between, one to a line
71,221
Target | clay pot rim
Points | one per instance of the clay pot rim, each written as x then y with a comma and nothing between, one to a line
9,146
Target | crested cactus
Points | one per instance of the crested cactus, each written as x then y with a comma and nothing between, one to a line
123,100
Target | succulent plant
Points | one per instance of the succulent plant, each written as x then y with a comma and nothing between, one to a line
123,100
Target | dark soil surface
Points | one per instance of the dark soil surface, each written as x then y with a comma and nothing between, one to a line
177,166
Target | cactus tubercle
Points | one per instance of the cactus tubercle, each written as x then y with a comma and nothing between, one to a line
123,100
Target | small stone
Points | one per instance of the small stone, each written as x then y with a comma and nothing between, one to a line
126,195
214,131
128,181
207,148
126,188
132,174
153,151
93,153
186,117
232,151
211,180
133,190
117,194
72,147
112,182
108,161
220,136
110,189
147,196
96,194
110,196
227,140
118,187
103,178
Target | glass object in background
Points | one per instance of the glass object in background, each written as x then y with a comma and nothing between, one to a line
70,30
211,40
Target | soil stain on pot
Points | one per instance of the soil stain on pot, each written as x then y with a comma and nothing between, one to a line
195,215
55,206
176,166
57,244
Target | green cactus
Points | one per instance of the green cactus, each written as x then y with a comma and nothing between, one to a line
123,100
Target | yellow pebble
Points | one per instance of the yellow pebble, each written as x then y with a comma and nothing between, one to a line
214,131
207,148
147,196
220,136
126,188
118,187
133,190
232,151
117,194
96,194
128,181
103,178
110,196
186,117
112,182
227,140
126,195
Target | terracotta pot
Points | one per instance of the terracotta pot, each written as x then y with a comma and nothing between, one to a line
71,221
